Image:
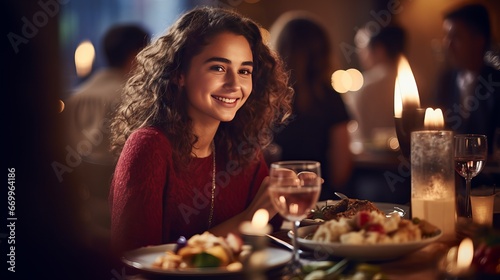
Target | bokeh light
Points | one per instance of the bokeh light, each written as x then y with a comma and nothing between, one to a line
393,143
61,106
347,80
352,126
357,79
356,147
341,81
84,58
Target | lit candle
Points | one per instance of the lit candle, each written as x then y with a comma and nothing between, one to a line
433,175
407,85
398,102
457,263
408,115
433,119
465,254
259,224
482,205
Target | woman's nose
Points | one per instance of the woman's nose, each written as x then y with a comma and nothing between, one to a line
231,80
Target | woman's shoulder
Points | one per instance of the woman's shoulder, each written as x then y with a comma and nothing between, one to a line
148,138
149,134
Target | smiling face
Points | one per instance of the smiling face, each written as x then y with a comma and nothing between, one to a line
219,79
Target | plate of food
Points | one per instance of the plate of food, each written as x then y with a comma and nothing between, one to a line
368,236
203,254
347,208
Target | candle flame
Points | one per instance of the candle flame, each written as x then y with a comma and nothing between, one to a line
260,218
465,253
406,84
433,119
398,102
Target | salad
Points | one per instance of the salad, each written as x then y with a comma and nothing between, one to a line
205,250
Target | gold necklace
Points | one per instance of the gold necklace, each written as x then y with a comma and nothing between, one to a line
211,215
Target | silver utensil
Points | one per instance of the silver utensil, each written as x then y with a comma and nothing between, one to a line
287,245
341,195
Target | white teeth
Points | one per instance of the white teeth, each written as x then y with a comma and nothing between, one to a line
225,100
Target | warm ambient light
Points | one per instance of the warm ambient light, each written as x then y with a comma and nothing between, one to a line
260,218
84,58
347,80
465,254
407,86
61,106
357,79
341,81
258,226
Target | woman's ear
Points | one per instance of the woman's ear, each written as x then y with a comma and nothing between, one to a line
180,80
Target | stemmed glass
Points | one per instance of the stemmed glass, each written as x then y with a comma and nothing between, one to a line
294,190
470,157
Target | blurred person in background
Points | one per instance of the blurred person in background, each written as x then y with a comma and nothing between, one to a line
373,105
468,91
87,116
318,128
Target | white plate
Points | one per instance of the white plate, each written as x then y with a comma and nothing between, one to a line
387,208
371,252
142,259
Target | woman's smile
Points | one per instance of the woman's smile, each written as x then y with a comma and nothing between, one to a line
225,100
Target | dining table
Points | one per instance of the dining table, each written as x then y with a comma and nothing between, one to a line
420,264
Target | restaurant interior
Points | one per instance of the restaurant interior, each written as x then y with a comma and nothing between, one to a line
41,72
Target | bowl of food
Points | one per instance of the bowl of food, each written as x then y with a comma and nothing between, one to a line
368,236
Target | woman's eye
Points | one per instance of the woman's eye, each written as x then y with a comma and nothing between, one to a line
245,72
217,68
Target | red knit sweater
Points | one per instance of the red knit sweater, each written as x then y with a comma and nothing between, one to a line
152,204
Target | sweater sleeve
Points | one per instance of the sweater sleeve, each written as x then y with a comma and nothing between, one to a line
261,172
137,191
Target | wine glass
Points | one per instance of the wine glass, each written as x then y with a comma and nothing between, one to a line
470,157
294,190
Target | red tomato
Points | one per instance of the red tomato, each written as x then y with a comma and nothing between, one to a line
362,219
375,227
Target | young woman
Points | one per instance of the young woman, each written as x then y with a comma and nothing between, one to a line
203,101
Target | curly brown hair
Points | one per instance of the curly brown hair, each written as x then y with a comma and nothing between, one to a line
153,96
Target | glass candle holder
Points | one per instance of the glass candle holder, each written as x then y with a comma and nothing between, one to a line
433,179
482,202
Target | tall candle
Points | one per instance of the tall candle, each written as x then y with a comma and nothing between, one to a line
433,177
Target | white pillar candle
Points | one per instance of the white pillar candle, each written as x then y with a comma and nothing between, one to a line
433,178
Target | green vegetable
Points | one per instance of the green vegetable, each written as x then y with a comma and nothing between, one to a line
205,260
368,268
319,265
